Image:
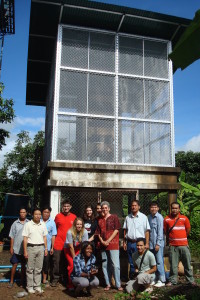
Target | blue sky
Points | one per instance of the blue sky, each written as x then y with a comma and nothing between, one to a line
31,118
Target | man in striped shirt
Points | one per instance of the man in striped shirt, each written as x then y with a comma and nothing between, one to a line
177,226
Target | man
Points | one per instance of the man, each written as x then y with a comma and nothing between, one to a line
177,227
145,265
35,240
64,221
156,242
136,225
52,231
108,232
16,246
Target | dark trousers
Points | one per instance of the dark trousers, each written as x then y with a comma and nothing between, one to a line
59,266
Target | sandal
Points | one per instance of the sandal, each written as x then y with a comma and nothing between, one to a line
10,285
107,288
46,283
120,289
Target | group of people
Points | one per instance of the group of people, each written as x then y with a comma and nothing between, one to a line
42,245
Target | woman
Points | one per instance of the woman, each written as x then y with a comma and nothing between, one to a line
83,275
75,236
90,221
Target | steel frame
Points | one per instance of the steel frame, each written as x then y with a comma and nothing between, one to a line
115,74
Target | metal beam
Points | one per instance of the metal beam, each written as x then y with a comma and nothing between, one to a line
61,12
120,24
42,36
39,61
110,12
36,82
175,32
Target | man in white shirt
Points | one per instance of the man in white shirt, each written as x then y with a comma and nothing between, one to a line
35,240
136,225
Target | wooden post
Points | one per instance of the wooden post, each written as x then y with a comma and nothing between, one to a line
172,197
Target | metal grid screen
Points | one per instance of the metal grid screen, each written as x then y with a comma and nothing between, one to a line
113,100
120,201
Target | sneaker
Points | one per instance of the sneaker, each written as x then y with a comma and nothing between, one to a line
54,284
170,283
30,291
39,290
153,283
149,289
159,284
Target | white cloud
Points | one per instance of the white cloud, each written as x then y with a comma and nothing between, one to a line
192,144
10,142
30,121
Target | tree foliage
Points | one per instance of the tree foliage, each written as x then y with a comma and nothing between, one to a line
6,115
189,162
21,168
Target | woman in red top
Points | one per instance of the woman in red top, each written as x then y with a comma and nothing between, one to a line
108,232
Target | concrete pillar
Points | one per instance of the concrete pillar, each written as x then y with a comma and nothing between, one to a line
172,197
55,196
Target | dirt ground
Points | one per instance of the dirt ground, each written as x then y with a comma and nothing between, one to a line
60,292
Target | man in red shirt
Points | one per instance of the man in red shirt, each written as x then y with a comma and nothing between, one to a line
64,221
177,227
108,232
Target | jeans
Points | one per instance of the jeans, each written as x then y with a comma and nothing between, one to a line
110,265
176,254
160,273
131,248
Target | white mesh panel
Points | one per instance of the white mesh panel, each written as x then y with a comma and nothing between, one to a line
157,106
85,139
102,52
131,142
130,56
157,144
155,59
73,92
71,144
74,48
131,98
101,95
100,144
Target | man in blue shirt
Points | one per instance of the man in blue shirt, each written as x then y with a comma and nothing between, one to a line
156,242
16,246
52,232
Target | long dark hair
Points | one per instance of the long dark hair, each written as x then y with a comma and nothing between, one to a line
85,217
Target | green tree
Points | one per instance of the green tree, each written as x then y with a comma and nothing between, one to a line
21,168
6,115
189,162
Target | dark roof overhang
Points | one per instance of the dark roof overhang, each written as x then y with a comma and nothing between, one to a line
47,14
